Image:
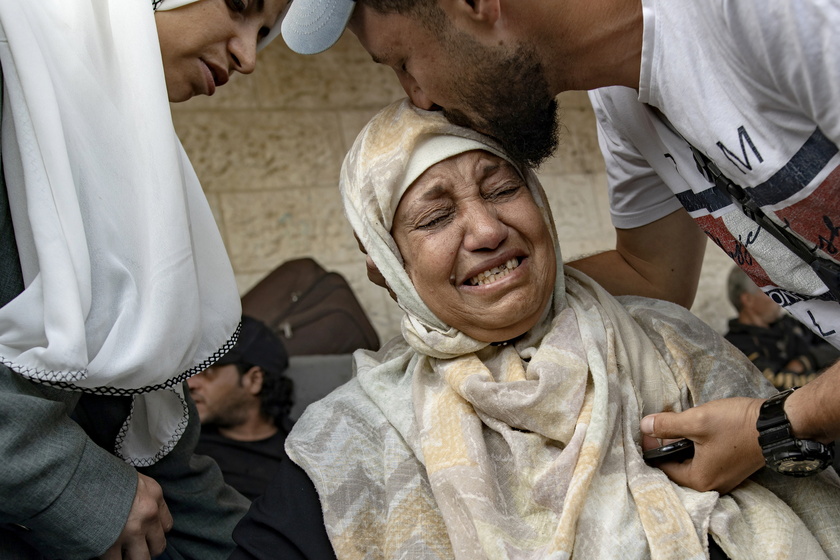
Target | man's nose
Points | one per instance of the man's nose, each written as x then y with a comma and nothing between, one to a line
194,382
415,93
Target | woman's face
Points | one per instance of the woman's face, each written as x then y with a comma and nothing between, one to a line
203,43
476,247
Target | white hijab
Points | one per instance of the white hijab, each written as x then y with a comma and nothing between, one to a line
172,4
128,288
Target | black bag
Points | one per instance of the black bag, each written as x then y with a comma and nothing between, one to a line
312,311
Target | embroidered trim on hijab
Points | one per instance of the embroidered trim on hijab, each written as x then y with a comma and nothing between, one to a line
128,287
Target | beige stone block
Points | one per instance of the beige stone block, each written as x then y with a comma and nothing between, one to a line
266,228
711,303
578,150
578,212
343,76
574,99
239,93
258,150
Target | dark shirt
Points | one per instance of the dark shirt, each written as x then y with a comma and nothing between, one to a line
248,466
285,522
773,347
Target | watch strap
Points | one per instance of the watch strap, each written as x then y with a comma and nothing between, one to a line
783,452
773,425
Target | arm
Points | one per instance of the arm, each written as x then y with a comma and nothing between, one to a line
660,260
145,529
72,496
726,441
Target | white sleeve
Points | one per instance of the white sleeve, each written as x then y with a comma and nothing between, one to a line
637,194
796,46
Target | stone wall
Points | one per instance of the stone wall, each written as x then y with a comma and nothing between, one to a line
268,149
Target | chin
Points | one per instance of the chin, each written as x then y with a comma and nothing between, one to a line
179,98
179,94
499,334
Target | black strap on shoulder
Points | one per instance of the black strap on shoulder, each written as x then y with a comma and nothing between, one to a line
827,270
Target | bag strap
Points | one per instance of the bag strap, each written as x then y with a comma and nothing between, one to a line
827,270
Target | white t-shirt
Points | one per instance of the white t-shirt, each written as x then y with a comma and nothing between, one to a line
755,85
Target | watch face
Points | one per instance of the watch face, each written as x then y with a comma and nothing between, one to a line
800,466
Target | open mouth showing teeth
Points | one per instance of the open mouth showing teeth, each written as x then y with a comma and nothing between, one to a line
494,274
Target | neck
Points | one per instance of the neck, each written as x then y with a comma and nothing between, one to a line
747,317
255,428
586,44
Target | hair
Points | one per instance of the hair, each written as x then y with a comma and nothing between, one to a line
428,12
739,283
275,396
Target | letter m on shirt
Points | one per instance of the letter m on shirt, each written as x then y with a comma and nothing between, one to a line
744,139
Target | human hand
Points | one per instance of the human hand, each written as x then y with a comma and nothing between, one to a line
143,536
795,366
726,449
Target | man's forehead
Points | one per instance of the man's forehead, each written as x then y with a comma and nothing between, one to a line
383,36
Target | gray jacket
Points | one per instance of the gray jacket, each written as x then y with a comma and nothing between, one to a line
63,494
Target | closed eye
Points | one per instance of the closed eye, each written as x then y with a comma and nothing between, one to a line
433,221
237,5
505,191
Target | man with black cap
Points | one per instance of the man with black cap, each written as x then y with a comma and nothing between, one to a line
243,401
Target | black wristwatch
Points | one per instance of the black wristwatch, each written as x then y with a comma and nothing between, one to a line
783,452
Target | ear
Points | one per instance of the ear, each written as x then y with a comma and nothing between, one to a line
253,379
473,15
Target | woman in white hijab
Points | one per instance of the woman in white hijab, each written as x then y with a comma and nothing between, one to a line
504,422
115,281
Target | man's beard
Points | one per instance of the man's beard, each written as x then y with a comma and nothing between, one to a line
511,97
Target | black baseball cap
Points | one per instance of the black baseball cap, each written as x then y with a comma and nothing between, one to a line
257,346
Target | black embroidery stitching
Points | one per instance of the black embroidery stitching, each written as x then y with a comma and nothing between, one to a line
59,378
165,448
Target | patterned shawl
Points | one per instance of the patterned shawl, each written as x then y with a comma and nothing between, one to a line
446,447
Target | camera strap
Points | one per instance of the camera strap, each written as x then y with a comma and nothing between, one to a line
827,270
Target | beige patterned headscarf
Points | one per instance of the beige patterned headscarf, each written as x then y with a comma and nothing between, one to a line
446,447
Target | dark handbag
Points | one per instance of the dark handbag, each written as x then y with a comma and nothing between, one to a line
312,311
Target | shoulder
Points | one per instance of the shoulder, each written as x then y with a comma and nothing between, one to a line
618,107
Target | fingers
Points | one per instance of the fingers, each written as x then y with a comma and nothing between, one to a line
725,441
685,475
144,535
666,425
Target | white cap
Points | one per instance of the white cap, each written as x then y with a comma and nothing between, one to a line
313,26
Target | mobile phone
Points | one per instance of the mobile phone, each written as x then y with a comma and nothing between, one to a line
678,451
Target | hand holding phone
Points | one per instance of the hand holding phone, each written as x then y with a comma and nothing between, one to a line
679,451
